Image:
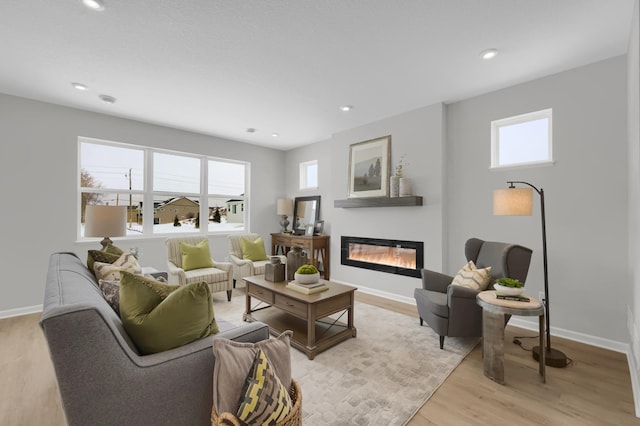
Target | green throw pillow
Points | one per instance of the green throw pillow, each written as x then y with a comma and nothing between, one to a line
265,400
159,316
253,250
196,257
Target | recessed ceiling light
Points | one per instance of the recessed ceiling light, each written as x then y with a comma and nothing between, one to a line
346,108
79,86
275,135
94,4
251,130
107,99
489,53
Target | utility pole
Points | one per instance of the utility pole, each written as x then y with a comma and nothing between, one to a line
130,196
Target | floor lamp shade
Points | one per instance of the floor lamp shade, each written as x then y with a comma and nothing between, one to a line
513,202
105,221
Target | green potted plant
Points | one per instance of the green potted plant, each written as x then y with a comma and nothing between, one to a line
306,274
509,286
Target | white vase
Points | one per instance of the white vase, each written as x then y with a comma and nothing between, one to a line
394,186
404,187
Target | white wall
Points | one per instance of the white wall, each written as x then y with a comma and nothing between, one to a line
38,177
419,135
585,193
633,135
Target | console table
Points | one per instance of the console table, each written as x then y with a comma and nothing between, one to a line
318,246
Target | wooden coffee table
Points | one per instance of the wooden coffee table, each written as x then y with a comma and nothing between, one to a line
304,314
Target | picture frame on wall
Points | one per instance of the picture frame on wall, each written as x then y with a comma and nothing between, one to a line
318,227
369,168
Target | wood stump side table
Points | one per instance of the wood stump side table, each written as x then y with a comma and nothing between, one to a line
493,312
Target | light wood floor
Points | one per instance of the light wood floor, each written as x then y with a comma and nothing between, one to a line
594,390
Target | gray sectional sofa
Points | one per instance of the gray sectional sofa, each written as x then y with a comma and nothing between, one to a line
103,380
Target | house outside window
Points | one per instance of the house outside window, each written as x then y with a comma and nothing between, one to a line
523,140
179,192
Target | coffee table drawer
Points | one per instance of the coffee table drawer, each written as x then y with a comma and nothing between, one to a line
290,305
260,293
335,304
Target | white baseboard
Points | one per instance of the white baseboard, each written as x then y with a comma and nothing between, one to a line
600,342
20,311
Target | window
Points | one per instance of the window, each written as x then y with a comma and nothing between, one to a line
309,174
522,140
176,190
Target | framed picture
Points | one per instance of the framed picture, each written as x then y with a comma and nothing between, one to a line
318,227
309,230
369,168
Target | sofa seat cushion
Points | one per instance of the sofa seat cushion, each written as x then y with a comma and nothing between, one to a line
159,316
434,301
210,275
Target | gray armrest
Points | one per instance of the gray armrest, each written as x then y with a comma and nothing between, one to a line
435,281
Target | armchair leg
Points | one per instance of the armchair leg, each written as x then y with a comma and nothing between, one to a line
234,283
229,298
441,342
421,321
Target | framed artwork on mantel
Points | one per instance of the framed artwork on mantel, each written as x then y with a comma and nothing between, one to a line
369,168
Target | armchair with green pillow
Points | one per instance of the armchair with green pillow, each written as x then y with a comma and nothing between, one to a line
189,261
248,255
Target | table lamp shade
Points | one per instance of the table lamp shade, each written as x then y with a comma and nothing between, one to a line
105,221
284,206
513,202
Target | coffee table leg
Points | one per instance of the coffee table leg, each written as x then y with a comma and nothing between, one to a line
247,311
493,345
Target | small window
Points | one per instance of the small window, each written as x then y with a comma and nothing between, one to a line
309,174
522,140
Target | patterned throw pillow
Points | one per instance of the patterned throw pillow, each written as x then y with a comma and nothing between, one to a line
265,400
253,250
196,257
107,255
111,293
159,316
234,361
111,271
472,277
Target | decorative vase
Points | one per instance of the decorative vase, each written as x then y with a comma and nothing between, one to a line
307,278
404,187
394,186
295,259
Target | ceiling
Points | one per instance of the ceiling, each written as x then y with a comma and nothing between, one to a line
218,67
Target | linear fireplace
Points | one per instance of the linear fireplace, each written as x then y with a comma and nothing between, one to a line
392,256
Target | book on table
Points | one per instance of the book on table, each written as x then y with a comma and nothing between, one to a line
520,298
307,288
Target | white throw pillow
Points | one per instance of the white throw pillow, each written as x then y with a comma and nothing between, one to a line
111,271
472,277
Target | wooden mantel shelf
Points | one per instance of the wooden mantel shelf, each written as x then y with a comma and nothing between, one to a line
412,200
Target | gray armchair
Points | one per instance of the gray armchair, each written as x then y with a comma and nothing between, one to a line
451,310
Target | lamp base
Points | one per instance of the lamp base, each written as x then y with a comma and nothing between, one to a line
284,223
552,357
106,241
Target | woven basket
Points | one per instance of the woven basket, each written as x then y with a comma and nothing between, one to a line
293,419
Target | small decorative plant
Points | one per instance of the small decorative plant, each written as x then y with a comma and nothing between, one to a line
510,282
307,269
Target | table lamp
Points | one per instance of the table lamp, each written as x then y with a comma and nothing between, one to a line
514,201
105,221
284,208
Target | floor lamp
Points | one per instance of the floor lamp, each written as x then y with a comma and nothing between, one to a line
519,202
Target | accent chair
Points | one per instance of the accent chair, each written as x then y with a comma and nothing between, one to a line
451,310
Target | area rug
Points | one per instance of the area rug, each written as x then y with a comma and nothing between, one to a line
381,377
